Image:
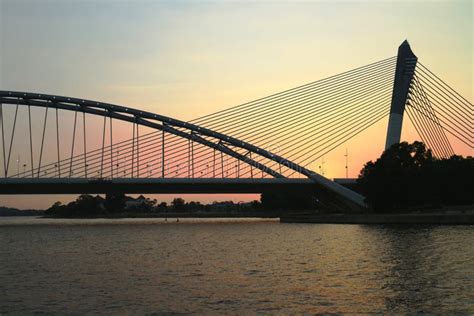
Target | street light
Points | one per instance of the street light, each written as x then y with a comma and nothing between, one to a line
347,163
18,166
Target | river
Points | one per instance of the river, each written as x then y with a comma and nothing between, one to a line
233,266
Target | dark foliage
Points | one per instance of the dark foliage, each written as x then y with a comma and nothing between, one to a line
114,202
178,204
118,204
407,175
84,205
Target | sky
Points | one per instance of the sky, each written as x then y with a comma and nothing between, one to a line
185,59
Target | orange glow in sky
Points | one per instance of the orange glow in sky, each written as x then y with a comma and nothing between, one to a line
188,59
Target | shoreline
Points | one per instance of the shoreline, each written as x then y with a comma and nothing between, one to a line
365,219
454,215
168,215
350,219
432,215
376,219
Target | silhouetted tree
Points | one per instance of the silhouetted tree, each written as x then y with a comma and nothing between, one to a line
88,205
408,175
57,209
162,206
148,204
84,205
115,202
178,204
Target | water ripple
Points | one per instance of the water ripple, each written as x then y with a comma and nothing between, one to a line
233,266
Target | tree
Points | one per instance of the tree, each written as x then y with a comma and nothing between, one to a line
57,209
163,206
148,204
178,204
115,202
408,175
87,205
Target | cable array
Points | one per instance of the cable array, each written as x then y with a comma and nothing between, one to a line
305,123
301,124
434,108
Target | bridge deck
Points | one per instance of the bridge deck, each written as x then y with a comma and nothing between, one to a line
151,185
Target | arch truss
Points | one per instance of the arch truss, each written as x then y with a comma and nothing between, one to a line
248,160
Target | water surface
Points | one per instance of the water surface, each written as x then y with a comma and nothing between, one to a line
145,266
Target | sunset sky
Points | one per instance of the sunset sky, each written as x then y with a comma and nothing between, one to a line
185,59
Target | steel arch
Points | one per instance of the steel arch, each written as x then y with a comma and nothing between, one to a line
140,117
170,125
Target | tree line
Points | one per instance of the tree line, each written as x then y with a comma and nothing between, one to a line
118,203
407,176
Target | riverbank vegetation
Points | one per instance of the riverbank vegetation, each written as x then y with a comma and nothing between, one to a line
405,178
120,205
408,176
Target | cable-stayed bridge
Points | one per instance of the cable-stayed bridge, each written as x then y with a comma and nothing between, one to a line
56,145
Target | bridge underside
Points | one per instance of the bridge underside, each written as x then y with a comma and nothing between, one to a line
157,186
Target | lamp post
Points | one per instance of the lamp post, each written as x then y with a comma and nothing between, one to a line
347,161
18,166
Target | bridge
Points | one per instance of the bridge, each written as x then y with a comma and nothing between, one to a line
74,145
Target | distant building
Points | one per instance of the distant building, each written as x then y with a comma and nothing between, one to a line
132,203
219,206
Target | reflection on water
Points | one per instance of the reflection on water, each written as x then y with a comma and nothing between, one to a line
232,266
427,268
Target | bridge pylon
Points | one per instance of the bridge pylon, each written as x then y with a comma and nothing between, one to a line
405,69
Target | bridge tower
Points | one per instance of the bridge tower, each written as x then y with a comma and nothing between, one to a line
406,63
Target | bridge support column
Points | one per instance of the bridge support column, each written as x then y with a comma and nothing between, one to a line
406,63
